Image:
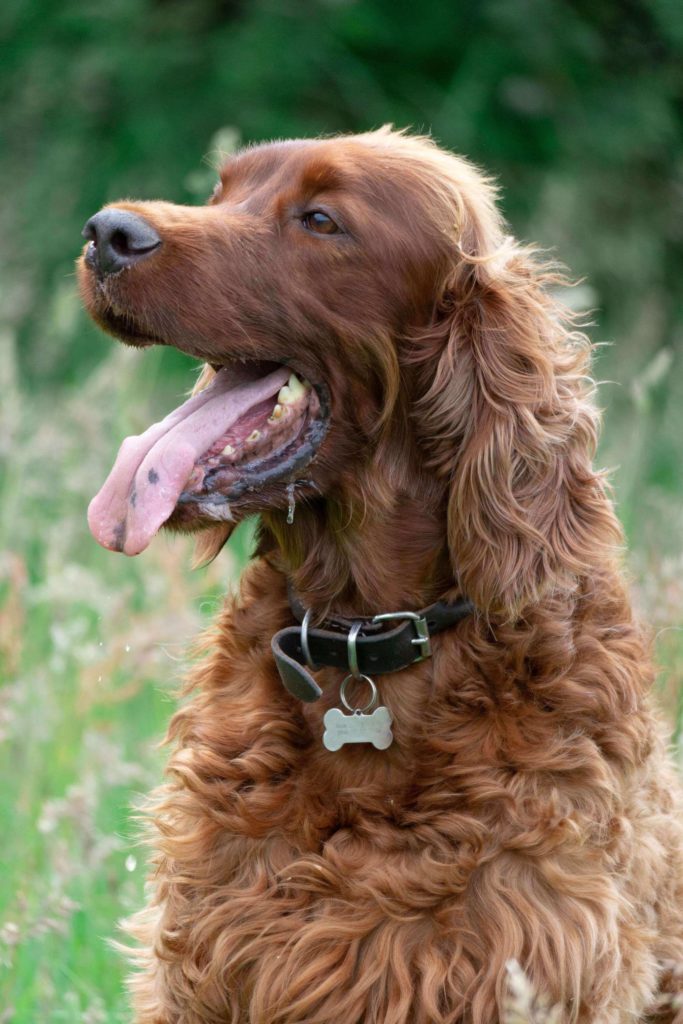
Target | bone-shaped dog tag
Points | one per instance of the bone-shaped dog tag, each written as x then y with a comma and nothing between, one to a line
358,727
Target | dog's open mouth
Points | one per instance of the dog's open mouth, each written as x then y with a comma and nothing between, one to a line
254,424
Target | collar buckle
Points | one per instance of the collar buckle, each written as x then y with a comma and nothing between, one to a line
422,640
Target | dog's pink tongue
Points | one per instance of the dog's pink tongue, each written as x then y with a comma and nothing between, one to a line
151,469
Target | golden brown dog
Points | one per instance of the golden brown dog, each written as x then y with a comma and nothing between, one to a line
393,389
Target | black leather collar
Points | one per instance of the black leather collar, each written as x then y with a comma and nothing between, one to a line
377,650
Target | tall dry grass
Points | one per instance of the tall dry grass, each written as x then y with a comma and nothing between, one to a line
92,647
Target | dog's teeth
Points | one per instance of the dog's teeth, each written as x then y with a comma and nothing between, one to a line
295,386
254,436
276,414
228,450
292,391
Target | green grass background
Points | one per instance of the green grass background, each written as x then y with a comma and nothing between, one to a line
575,106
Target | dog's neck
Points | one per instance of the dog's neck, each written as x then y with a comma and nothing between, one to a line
385,552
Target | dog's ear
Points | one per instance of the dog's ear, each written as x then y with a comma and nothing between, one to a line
506,416
211,541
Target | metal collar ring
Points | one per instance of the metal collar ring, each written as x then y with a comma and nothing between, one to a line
373,694
304,641
351,649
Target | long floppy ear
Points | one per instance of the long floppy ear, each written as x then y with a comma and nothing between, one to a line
507,418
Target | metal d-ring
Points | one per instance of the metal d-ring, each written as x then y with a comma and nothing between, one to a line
352,653
373,694
304,640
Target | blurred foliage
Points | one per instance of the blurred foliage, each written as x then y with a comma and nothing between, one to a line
574,105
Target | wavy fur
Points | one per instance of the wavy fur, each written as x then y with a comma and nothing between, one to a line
527,809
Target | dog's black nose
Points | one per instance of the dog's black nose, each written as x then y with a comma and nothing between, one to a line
119,239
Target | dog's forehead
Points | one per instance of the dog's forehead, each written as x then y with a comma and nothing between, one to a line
311,165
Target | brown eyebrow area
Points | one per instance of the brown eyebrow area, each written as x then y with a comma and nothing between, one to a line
285,163
320,175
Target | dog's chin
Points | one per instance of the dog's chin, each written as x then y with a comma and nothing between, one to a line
241,445
124,329
100,296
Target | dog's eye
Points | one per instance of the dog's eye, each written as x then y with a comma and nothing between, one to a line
316,220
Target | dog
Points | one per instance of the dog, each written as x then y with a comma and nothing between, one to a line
420,744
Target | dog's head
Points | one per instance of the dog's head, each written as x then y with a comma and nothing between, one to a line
355,301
